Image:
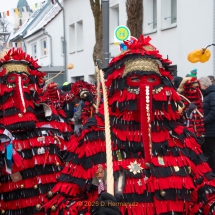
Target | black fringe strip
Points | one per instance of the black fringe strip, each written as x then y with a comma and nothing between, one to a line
86,162
174,194
23,211
204,191
123,124
163,172
79,181
134,197
27,193
33,172
93,136
130,105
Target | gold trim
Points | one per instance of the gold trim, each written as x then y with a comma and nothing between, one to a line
149,48
11,67
141,64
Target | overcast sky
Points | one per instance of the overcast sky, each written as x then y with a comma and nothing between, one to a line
9,4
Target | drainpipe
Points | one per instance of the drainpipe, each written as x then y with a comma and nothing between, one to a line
105,22
64,42
51,53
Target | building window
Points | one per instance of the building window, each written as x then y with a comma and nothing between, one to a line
169,13
80,36
150,16
34,51
114,20
72,38
43,47
173,11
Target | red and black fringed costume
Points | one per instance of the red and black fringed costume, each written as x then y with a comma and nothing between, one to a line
190,89
53,98
32,137
78,90
158,164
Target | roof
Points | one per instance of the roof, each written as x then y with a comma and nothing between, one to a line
52,13
23,29
22,3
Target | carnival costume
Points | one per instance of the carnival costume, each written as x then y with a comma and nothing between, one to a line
158,164
190,92
32,136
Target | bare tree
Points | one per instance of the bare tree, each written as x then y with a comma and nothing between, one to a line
96,7
134,9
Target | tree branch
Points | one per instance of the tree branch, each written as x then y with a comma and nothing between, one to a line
92,4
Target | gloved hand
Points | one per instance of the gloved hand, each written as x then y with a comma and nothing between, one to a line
191,107
106,205
86,95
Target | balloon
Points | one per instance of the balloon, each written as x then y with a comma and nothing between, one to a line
200,55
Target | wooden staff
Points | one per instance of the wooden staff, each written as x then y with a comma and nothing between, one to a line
190,102
109,159
54,76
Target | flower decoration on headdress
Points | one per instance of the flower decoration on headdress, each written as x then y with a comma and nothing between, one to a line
140,46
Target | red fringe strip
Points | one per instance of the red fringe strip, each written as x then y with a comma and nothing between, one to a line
160,136
8,120
169,206
176,182
22,203
91,148
170,161
127,135
121,96
131,185
43,159
162,95
136,208
38,142
115,75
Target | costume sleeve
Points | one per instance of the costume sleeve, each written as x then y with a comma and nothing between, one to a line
210,117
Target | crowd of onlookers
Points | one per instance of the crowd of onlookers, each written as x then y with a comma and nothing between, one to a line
207,87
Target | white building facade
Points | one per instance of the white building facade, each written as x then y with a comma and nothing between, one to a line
176,27
44,42
42,37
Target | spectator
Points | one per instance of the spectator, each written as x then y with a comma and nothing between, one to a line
69,106
208,91
212,79
193,73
